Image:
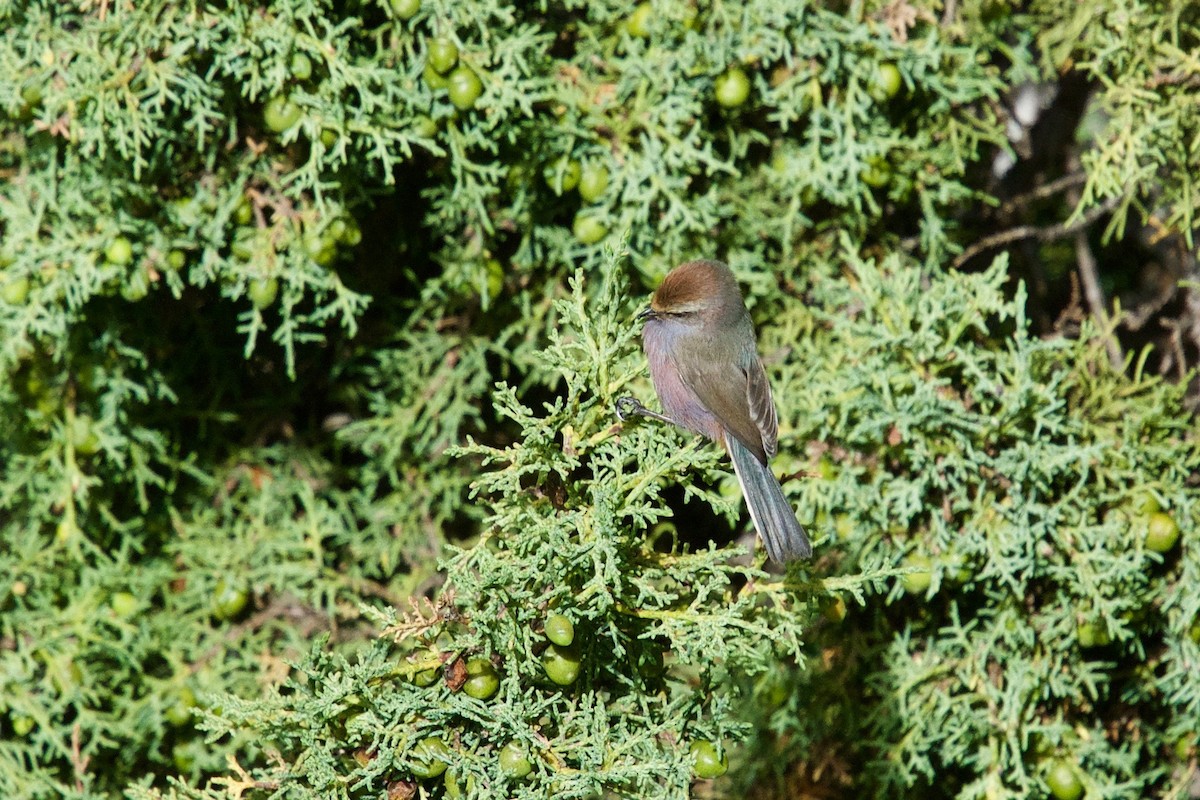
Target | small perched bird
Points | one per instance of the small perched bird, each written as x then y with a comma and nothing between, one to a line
704,362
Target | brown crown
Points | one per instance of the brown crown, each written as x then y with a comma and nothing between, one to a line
692,285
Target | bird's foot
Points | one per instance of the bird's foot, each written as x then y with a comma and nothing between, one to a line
629,407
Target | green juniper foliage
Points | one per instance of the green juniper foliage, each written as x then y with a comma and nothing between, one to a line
312,317
1021,477
658,637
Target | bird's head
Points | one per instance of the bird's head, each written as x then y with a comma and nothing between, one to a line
696,290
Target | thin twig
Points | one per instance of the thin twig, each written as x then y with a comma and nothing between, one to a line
1174,79
1044,191
1174,358
1073,312
1185,783
307,619
79,762
949,11
1092,290
1046,234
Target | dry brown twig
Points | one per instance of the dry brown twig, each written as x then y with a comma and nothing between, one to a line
79,762
1042,192
1042,234
424,614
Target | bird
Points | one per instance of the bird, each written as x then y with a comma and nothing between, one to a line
700,346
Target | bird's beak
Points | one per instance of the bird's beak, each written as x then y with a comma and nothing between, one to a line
645,314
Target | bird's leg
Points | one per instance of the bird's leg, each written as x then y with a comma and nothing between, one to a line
631,407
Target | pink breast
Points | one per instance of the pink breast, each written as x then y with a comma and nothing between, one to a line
679,402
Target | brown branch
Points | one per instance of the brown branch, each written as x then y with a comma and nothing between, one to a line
1092,291
1044,234
1174,358
79,762
949,11
1044,191
1173,79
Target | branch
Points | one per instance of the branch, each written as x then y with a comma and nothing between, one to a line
1044,191
1046,234
1095,298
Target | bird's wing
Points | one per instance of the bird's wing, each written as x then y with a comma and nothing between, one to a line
735,395
762,406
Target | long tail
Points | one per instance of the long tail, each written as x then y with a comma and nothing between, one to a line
773,516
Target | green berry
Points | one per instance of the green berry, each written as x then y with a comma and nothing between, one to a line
179,713
84,439
182,757
329,138
1062,778
886,83
638,22
123,604
917,582
176,260
482,679
877,173
450,783
1092,634
493,278
1184,745
813,93
843,527
22,724
262,292
514,761
593,180
351,234
280,113
424,127
426,677
956,567
563,175
1162,532
561,664
243,213
732,88
429,758
16,291
705,762
136,288
321,248
31,95
559,630
300,67
464,88
405,9
336,228
834,608
772,690
434,79
826,469
588,228
119,251
1143,503
228,599
245,243
442,55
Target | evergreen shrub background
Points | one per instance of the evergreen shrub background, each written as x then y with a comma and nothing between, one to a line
310,349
